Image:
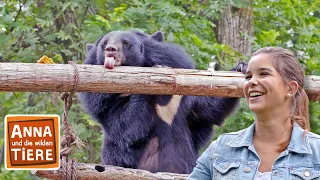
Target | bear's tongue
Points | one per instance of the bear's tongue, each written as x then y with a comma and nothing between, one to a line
109,62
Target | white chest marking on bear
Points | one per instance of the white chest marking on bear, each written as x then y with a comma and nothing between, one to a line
167,112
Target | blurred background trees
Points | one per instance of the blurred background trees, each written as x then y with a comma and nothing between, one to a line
224,32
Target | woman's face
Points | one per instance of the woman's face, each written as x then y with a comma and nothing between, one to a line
264,88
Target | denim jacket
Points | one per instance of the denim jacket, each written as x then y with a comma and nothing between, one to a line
233,156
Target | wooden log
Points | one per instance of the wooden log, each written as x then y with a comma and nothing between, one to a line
94,171
29,77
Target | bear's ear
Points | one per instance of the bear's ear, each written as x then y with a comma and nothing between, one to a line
89,46
158,36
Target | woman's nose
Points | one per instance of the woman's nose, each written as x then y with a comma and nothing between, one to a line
253,81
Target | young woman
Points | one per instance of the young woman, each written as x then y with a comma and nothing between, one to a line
277,145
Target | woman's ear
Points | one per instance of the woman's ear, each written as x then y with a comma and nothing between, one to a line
293,88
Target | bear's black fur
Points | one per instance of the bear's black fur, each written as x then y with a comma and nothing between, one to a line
152,132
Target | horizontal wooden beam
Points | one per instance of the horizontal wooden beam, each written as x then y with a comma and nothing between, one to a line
99,172
29,77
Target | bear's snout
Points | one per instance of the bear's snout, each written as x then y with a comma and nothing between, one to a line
111,48
111,54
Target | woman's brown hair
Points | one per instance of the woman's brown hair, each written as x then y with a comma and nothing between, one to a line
286,63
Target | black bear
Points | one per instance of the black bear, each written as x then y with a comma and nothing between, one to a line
158,133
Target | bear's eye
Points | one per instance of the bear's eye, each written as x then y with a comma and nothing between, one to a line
125,42
104,44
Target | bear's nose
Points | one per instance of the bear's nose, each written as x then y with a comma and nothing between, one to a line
111,48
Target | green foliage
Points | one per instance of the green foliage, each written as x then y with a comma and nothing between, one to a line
315,116
17,175
61,29
242,119
290,24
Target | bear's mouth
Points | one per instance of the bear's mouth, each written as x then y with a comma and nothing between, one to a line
111,55
111,60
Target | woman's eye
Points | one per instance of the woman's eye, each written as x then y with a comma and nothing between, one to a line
264,73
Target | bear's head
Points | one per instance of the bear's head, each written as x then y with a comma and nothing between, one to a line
121,48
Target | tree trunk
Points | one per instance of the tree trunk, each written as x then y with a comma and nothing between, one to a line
233,27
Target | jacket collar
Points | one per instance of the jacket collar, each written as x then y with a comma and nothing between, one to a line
298,143
243,138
